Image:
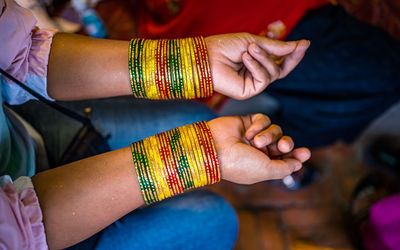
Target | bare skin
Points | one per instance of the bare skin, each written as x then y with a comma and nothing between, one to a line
83,197
85,68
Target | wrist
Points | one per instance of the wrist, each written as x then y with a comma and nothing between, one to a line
170,69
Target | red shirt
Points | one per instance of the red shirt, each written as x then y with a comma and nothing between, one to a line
182,18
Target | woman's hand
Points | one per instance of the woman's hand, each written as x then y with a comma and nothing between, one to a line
251,149
243,65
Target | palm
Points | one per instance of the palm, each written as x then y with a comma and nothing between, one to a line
241,161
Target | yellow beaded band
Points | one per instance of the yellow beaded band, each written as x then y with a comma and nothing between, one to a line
174,161
170,69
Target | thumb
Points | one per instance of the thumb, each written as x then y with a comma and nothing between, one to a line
278,169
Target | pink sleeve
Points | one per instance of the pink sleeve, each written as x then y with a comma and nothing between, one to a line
24,51
21,225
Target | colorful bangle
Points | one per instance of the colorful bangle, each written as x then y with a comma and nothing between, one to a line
191,155
158,168
170,165
174,161
169,69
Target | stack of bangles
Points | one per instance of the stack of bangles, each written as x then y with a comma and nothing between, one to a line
174,161
170,69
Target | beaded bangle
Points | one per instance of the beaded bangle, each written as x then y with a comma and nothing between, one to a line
153,171
169,69
165,187
191,156
174,161
198,153
170,165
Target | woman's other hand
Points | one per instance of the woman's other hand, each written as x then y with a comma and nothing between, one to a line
243,65
251,149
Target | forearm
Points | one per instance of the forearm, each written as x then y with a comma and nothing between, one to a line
81,67
84,68
81,198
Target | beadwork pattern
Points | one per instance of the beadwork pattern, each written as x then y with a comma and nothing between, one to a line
174,161
170,69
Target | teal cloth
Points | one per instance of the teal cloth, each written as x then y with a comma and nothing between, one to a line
17,154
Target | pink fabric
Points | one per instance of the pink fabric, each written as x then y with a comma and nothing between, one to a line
39,53
24,48
383,228
21,224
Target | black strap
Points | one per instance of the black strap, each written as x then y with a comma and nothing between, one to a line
65,111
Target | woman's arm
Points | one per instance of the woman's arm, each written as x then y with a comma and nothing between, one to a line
83,197
81,67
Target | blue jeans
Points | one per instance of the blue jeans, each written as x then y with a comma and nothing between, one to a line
195,220
125,119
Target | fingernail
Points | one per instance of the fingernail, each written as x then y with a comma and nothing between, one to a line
256,48
306,43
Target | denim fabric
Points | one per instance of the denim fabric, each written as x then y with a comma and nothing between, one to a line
196,220
349,76
125,119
